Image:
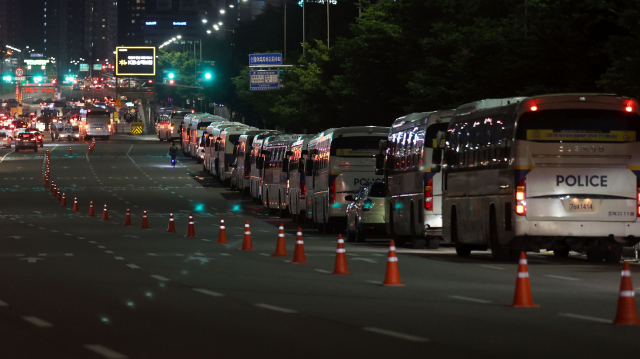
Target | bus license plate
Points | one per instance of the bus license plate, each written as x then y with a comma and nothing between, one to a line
581,205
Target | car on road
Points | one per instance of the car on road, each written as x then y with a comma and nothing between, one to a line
39,137
6,138
365,214
26,140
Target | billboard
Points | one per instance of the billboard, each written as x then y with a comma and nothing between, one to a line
136,61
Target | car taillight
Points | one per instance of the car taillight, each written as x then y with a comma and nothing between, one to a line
303,190
428,195
521,197
332,191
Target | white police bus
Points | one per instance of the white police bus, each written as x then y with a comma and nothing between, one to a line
297,187
243,154
275,163
255,171
413,178
341,161
227,150
556,172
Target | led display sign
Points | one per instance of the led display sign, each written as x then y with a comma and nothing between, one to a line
136,61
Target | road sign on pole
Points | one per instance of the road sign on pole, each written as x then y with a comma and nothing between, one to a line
262,80
117,105
265,59
19,72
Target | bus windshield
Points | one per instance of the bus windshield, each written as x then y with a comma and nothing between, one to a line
585,125
361,146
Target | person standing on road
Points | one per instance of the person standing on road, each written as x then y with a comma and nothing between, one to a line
173,150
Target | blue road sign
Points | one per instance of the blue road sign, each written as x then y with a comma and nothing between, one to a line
262,80
265,59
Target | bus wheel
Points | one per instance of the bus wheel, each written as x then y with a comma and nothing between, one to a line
562,252
416,243
596,255
360,232
613,255
281,213
463,250
351,236
302,217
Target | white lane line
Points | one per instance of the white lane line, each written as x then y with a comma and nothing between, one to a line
81,238
3,304
159,277
41,228
119,258
93,242
102,247
208,292
54,231
225,254
492,267
593,319
68,234
277,309
32,225
108,252
134,162
104,351
133,266
3,157
398,335
265,254
481,301
86,155
322,271
374,282
38,322
559,277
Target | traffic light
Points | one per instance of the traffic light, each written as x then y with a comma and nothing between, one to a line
208,76
204,72
171,75
54,81
150,81
172,82
37,79
6,78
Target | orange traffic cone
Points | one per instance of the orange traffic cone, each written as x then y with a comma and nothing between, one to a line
145,223
247,244
70,151
91,210
53,187
281,246
522,298
626,314
105,214
75,205
46,182
392,276
298,251
58,195
222,233
172,225
341,258
63,201
127,218
90,149
191,230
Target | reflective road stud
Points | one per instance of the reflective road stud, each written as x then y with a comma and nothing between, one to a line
247,244
392,276
281,246
522,297
298,251
222,233
341,258
626,314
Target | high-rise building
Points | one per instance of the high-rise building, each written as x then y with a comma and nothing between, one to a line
131,14
11,23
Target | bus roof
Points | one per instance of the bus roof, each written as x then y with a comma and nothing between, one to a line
421,118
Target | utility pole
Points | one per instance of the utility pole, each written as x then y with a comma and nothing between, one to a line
304,37
285,31
327,23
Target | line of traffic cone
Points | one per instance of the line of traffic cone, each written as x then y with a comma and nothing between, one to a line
191,230
281,245
522,297
222,233
127,218
298,251
63,201
172,225
392,275
626,312
58,195
247,244
75,205
145,222
105,214
92,211
341,258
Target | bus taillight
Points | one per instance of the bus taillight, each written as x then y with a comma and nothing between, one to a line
428,195
288,186
521,199
303,190
332,191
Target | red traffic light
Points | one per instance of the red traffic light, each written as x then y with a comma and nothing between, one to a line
172,82
150,81
54,81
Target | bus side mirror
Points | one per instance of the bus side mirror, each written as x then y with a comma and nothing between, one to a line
285,165
308,168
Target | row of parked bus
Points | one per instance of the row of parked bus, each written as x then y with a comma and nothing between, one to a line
556,172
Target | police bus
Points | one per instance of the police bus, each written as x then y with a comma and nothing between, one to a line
169,127
214,139
275,168
226,145
557,172
255,173
185,130
243,155
97,124
341,161
413,178
209,145
296,186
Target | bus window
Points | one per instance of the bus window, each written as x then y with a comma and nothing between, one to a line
356,146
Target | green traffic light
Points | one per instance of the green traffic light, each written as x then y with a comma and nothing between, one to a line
37,79
171,75
207,76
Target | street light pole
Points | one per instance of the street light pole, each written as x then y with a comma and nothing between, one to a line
327,23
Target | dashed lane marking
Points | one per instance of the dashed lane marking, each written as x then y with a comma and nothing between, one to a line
560,277
159,277
374,282
102,247
38,322
41,228
323,271
492,267
68,234
93,242
110,252
133,266
104,351
265,254
208,292
3,304
119,258
584,317
81,238
481,301
277,309
54,231
398,335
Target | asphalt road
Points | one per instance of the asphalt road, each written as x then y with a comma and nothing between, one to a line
74,286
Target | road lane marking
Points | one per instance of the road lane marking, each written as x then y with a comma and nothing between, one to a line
87,157
492,267
3,157
81,238
277,309
102,247
38,322
398,335
481,301
93,242
560,277
322,271
41,228
54,231
133,266
374,282
68,234
593,319
108,252
159,277
104,351
119,258
208,292
3,304
265,254
225,254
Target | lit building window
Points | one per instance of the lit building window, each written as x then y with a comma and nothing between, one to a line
133,21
